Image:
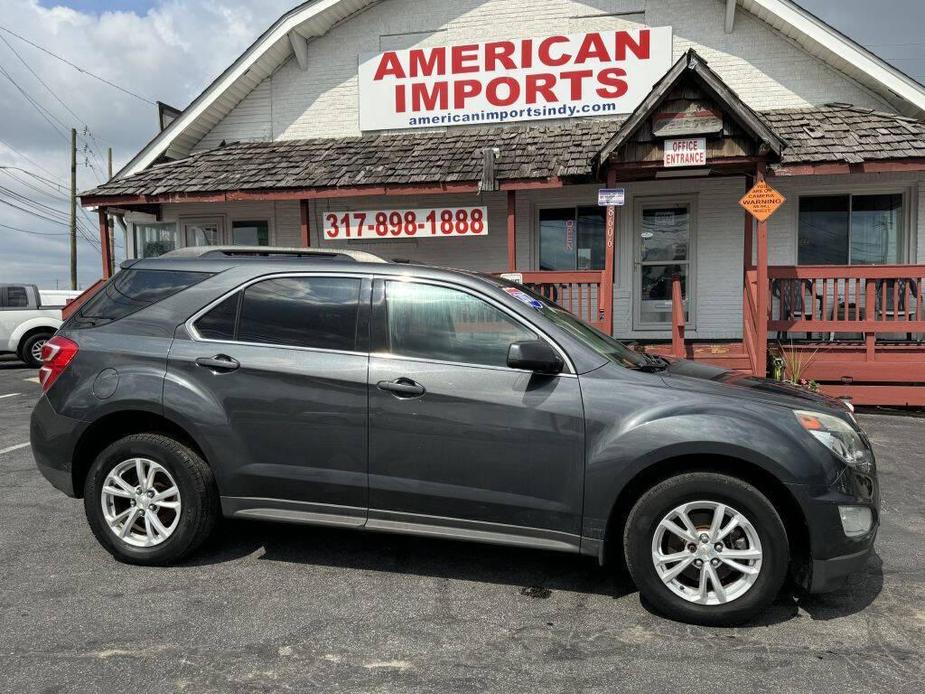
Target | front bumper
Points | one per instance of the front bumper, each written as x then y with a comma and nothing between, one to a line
832,555
53,439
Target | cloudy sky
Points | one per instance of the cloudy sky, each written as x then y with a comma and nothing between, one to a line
168,50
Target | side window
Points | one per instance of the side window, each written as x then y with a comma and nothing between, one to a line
431,322
16,297
319,312
219,323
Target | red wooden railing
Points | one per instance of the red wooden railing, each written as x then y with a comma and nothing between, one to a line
579,293
828,300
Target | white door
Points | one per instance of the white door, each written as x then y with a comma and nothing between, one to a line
203,232
663,249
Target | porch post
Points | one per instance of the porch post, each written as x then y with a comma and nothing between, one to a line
512,231
105,243
761,352
749,253
605,299
306,230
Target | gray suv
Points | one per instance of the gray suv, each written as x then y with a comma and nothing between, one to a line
337,389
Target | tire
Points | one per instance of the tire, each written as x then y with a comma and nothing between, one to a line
759,534
186,517
30,346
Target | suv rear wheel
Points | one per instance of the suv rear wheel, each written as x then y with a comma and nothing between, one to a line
706,548
150,500
31,349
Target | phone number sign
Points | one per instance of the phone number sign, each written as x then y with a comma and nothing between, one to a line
385,225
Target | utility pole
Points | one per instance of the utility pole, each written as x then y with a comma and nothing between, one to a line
73,208
111,221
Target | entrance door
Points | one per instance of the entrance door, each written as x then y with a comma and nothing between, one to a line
663,249
458,440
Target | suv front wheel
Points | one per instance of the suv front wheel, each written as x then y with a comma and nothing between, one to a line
706,548
150,500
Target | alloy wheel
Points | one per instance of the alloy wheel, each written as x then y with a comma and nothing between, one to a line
36,350
707,552
141,502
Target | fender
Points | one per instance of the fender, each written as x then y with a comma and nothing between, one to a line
632,426
26,326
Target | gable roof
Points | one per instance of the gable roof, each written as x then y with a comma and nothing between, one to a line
692,64
316,17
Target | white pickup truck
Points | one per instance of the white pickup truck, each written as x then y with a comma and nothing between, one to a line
28,317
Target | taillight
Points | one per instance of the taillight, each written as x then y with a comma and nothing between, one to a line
56,355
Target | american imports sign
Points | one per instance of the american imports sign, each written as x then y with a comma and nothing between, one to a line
593,74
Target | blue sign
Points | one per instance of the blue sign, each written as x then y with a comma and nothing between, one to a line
609,197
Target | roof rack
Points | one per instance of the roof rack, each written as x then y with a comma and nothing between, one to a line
271,252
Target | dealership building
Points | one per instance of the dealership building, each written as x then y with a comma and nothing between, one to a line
596,150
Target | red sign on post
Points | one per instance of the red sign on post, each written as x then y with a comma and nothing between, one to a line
762,201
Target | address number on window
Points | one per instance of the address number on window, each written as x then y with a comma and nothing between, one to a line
430,223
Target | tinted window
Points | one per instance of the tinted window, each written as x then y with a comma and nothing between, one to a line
16,297
218,324
430,322
318,312
133,290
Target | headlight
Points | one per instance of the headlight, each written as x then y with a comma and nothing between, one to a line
836,435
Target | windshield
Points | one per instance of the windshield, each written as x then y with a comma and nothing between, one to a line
606,346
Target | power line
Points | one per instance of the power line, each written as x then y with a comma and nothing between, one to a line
88,147
76,67
42,111
35,233
41,81
26,157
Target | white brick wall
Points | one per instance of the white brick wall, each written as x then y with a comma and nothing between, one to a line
766,69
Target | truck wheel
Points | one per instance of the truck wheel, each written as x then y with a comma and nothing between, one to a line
150,500
31,349
706,548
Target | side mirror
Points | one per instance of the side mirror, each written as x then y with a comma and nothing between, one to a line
534,355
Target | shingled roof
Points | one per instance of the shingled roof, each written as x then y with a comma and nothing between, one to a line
525,153
846,134
835,133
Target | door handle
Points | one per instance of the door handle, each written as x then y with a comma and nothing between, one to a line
220,362
402,388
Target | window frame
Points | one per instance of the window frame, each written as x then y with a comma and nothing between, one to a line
177,230
250,219
219,220
906,243
379,325
362,314
538,246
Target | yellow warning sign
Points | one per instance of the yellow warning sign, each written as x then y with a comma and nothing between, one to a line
762,201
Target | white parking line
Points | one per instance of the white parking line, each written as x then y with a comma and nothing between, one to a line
13,448
9,395
34,379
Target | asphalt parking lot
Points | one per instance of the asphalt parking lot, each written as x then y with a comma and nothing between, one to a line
274,608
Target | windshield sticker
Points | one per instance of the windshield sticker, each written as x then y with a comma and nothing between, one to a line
524,297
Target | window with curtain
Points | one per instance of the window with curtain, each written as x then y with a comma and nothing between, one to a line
850,229
572,238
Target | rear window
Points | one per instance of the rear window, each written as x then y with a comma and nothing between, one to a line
132,290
